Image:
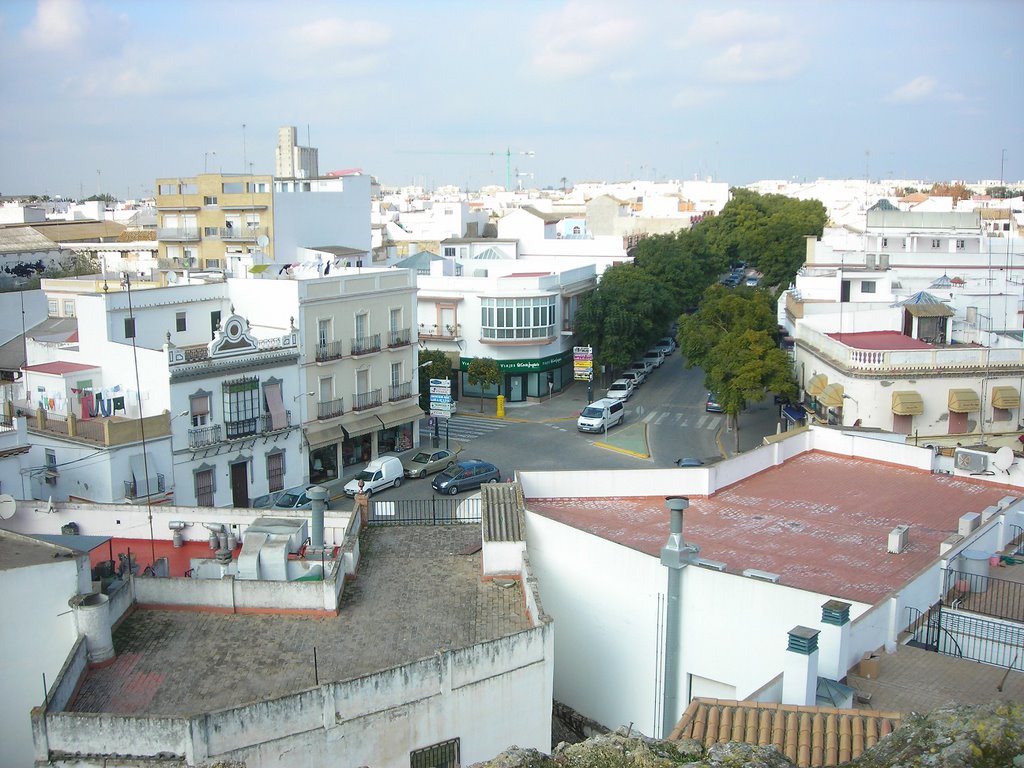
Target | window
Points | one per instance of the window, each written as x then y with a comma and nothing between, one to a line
69,307
395,320
189,257
323,332
214,323
305,186
258,187
213,263
960,245
252,220
209,200
515,318
361,325
189,189
576,230
867,286
129,327
936,243
396,374
51,307
204,481
210,231
241,399
232,187
449,251
51,458
199,409
885,242
167,189
442,755
275,471
179,321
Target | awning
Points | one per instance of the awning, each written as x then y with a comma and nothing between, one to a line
907,402
794,413
354,424
278,418
1005,397
139,466
325,435
832,396
817,384
964,401
402,415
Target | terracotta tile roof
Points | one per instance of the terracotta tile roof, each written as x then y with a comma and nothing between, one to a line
808,736
887,340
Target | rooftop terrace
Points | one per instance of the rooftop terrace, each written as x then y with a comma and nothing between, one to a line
418,590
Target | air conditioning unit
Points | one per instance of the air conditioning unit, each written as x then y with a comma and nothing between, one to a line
970,461
898,539
968,523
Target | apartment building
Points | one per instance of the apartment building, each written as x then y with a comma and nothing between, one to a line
292,161
211,220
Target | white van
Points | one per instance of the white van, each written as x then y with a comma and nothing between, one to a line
600,415
381,473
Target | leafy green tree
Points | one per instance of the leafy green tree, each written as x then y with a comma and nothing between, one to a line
723,312
682,263
483,372
433,364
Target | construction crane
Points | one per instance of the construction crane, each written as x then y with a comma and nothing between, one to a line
508,153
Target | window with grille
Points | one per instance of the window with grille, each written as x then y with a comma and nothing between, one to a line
442,755
241,399
179,321
275,471
199,409
515,318
204,487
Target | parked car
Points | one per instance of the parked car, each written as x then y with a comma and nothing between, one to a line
381,473
266,500
642,365
621,389
752,281
666,345
294,498
464,475
655,357
712,405
601,415
425,463
637,377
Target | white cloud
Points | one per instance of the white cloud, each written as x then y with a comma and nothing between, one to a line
338,34
758,61
742,47
688,98
923,88
710,28
58,25
579,38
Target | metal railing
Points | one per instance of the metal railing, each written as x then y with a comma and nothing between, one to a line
200,437
211,434
364,345
132,488
330,408
400,391
439,331
177,233
240,233
986,595
363,400
399,338
952,633
329,350
1017,536
439,510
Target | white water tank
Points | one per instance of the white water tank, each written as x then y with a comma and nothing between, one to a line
92,617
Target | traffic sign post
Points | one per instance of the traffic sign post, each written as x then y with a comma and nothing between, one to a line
583,368
441,407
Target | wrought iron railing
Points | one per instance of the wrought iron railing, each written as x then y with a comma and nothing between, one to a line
364,345
329,350
400,391
989,596
363,400
400,338
200,437
439,510
953,633
428,331
135,490
330,408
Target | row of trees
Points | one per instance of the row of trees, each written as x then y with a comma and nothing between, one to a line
636,303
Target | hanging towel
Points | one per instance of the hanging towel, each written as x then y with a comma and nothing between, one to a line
106,407
86,406
118,403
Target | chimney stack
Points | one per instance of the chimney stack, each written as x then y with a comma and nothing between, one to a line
318,498
835,639
800,670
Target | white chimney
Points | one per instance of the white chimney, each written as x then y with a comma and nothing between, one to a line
835,639
800,669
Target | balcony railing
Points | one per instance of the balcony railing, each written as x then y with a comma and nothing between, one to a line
363,400
440,331
399,338
330,408
200,437
211,434
365,345
136,490
400,391
987,595
240,233
177,234
329,350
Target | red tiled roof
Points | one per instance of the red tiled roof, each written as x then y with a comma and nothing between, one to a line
879,340
820,521
59,367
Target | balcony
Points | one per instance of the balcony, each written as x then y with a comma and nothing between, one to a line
201,437
177,234
450,332
133,490
330,408
362,401
400,338
365,345
401,391
328,350
212,434
240,234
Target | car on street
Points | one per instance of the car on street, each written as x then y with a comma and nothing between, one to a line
383,472
666,345
620,389
752,281
637,377
654,357
642,365
424,463
293,498
464,475
712,405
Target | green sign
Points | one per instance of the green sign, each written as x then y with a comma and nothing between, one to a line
525,366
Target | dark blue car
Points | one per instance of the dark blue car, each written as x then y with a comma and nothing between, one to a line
465,475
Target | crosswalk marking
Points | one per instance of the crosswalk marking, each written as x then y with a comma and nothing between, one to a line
682,420
462,428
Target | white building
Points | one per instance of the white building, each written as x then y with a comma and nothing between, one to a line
292,161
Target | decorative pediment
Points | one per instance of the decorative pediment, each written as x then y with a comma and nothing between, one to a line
233,338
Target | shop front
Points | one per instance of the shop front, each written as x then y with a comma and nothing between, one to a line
523,379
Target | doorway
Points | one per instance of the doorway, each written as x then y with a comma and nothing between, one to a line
516,387
240,484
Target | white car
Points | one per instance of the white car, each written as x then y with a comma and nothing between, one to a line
642,365
621,389
655,357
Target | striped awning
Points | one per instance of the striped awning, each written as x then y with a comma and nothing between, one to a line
1005,397
907,402
817,384
964,401
832,396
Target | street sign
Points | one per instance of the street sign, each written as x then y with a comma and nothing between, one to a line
441,383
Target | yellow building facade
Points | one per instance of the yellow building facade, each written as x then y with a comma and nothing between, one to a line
206,221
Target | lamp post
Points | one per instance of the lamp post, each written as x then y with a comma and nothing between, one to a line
20,283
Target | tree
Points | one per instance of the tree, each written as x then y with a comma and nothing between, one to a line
723,312
433,364
483,372
957,190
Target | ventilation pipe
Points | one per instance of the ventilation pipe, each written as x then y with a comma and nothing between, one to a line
215,530
675,556
318,498
92,617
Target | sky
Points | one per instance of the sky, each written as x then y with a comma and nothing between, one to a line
98,94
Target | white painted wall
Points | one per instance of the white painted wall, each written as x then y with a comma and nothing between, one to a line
329,216
35,638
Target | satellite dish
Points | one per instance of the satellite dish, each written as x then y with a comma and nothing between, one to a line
1004,458
262,241
172,277
8,506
